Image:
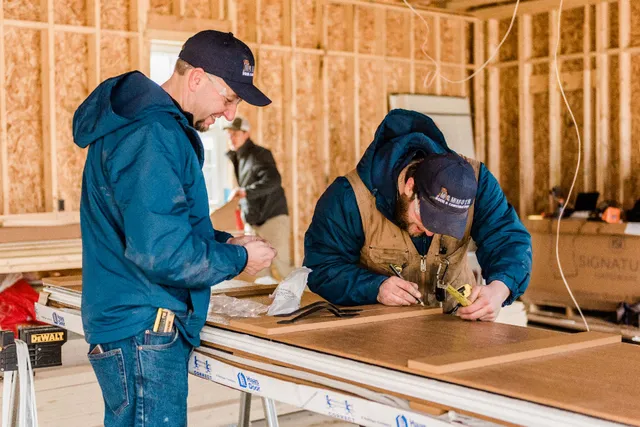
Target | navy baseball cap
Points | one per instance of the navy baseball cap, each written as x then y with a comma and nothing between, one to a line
223,55
447,186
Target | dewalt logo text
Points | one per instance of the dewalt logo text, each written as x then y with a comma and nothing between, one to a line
51,337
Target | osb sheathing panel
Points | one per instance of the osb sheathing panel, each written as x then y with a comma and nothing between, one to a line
24,124
398,33
572,34
115,57
425,37
341,141
310,160
371,106
26,10
71,79
614,28
114,14
568,136
306,26
70,12
339,20
366,30
593,27
198,9
273,137
635,24
509,127
246,13
161,7
509,50
540,35
613,178
633,184
468,36
455,74
451,45
423,77
271,13
541,152
398,76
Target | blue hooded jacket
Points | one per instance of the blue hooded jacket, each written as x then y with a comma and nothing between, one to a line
147,240
335,237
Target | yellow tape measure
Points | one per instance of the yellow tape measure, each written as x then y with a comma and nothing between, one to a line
460,294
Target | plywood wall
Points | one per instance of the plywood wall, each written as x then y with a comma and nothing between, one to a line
599,60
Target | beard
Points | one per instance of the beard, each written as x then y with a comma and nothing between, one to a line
200,126
401,212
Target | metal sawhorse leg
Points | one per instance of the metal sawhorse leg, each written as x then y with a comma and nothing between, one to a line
270,413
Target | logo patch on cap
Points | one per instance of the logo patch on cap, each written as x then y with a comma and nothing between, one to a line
446,199
247,68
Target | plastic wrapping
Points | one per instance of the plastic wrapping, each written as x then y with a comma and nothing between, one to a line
286,297
235,307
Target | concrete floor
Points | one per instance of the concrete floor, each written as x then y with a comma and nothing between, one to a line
69,396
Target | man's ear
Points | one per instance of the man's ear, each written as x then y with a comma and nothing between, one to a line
195,78
408,187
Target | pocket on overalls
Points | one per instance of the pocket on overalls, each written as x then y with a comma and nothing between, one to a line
109,370
380,258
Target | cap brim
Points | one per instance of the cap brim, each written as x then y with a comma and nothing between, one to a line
249,93
439,221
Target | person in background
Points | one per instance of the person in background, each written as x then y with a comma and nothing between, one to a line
262,198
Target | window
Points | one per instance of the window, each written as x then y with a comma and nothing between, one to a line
217,167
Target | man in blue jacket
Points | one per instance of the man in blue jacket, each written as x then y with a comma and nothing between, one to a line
147,239
414,205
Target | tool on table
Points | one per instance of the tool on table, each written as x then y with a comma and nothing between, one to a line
396,270
319,306
164,321
440,275
461,295
316,304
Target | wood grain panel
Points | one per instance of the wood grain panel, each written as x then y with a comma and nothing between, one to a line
341,129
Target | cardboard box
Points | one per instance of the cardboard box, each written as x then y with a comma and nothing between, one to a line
601,263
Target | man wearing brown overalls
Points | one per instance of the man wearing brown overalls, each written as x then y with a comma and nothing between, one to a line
413,203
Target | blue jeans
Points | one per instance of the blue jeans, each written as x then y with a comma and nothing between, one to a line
144,379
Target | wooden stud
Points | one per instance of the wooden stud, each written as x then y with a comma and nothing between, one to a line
587,126
531,7
137,24
178,7
356,85
602,95
479,93
294,137
526,117
286,23
325,93
624,20
4,155
493,103
256,53
93,20
555,147
49,110
258,10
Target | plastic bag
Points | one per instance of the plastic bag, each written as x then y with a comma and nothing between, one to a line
286,297
17,306
235,307
19,407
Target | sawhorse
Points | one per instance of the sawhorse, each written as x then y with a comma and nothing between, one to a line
270,413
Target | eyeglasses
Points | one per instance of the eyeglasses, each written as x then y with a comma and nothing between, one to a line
222,91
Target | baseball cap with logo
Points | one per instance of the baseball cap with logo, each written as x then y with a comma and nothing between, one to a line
446,185
223,55
239,123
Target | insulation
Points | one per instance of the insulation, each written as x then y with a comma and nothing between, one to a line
398,33
70,12
161,7
339,25
273,131
311,181
24,121
572,31
612,179
568,136
271,20
509,135
540,35
71,79
425,38
614,25
114,14
423,75
366,30
635,24
509,50
198,9
455,74
371,106
115,56
341,123
632,189
451,45
306,24
398,77
246,13
24,10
